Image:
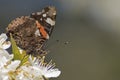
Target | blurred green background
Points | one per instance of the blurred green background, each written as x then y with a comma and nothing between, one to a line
85,43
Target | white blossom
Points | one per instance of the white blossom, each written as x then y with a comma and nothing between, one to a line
3,46
33,69
47,70
6,67
29,73
3,43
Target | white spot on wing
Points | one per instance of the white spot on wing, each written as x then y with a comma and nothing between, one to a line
44,15
54,13
50,21
41,19
37,33
47,37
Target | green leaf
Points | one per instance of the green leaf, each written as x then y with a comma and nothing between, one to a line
24,60
23,57
15,50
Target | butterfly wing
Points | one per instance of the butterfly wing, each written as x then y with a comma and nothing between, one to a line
45,20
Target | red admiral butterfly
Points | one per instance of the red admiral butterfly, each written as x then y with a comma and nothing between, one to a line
31,32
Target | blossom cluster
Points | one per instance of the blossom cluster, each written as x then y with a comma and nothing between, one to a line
27,68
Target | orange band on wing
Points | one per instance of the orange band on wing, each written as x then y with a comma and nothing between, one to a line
42,30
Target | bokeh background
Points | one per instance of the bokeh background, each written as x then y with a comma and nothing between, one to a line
85,43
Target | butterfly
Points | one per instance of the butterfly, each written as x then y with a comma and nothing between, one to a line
31,32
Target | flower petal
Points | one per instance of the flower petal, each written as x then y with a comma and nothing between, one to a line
3,61
3,38
6,45
6,54
52,73
3,43
13,65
